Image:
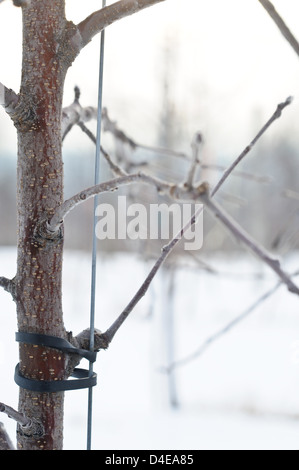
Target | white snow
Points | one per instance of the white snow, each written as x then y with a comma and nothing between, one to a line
241,394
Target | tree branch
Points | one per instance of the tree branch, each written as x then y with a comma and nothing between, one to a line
76,114
199,193
166,250
208,342
100,19
273,118
27,426
203,195
283,28
120,135
196,142
8,99
234,228
241,235
111,126
174,191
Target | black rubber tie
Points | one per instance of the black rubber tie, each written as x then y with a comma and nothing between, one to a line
83,380
83,377
56,343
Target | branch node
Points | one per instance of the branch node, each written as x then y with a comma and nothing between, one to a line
203,189
33,429
44,237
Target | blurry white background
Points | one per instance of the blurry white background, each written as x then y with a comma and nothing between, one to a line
227,67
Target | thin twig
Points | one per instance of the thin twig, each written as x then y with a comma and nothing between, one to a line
200,193
241,235
283,28
111,126
116,169
208,342
120,135
76,114
87,131
196,142
273,118
227,221
15,415
240,174
166,250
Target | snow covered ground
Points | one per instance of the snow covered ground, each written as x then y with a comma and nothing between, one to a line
242,393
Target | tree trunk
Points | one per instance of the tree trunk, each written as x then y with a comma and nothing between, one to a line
40,191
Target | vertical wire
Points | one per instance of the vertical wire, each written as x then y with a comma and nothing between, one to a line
94,239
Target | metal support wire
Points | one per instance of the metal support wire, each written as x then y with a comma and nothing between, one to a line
94,241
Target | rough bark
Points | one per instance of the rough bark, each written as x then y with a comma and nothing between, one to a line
40,191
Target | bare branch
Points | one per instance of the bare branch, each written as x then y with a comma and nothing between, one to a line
241,235
15,415
177,192
283,28
235,229
167,249
212,339
273,118
184,192
112,185
5,442
29,427
87,132
100,19
116,169
196,142
75,113
241,174
111,126
219,213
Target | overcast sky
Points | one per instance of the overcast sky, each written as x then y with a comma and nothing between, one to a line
230,68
